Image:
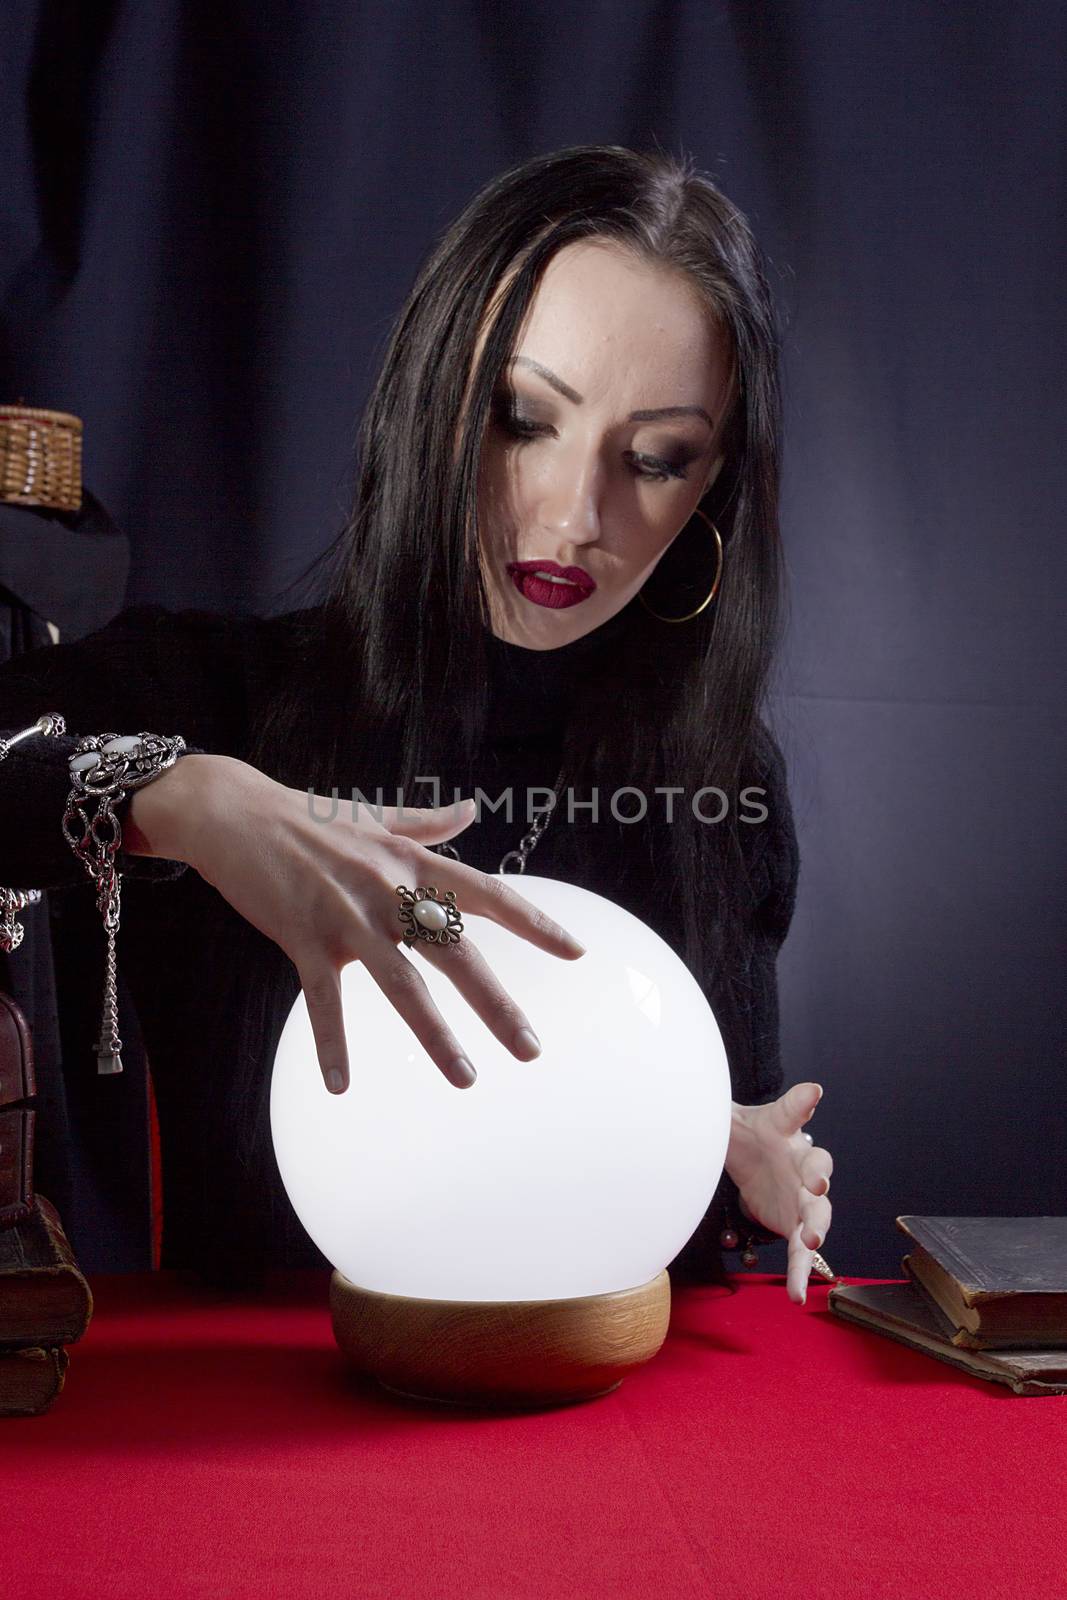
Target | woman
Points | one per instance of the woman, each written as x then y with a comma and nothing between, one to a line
573,442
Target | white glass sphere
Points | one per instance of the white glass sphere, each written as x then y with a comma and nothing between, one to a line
581,1172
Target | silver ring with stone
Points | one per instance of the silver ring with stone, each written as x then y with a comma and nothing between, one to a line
429,916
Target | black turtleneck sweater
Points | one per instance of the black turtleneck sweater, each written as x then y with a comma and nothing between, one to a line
210,991
529,696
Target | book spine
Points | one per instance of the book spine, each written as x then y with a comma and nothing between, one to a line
57,1237
30,1380
47,1302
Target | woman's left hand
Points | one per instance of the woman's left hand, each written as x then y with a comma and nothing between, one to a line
781,1179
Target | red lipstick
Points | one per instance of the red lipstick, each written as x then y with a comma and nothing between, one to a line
572,585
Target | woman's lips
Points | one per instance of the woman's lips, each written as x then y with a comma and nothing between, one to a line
558,588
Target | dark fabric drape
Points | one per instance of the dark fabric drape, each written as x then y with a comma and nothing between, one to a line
28,973
68,569
211,216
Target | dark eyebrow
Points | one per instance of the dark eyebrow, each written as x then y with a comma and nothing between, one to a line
572,394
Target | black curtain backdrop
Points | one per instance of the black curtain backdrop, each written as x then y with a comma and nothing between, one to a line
212,213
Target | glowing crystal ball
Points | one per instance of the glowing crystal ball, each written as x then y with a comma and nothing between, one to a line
581,1172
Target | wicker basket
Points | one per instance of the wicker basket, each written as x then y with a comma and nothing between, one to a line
40,457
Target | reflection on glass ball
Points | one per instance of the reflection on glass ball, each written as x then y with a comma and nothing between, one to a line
581,1172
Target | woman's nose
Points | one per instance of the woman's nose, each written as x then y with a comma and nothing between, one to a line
570,500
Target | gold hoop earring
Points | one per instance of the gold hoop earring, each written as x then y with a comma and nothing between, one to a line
714,588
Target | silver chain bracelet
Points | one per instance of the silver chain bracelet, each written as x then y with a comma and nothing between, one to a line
103,769
13,900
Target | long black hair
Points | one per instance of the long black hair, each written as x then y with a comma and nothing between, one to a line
397,606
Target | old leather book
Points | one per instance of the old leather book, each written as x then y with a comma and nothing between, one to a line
902,1311
17,1087
1000,1281
45,1299
30,1380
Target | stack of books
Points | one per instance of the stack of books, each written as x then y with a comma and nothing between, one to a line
45,1301
988,1294
45,1305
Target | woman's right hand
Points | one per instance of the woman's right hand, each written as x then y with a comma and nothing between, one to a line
325,891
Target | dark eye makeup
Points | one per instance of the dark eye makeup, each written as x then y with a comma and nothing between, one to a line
508,416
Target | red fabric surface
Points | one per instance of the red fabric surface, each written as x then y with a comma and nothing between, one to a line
216,1446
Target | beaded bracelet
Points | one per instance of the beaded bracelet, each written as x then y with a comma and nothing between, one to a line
735,1224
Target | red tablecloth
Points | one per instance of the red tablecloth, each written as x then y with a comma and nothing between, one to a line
218,1447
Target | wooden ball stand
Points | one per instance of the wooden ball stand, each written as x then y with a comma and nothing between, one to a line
506,1354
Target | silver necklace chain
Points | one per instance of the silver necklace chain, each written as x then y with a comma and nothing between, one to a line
542,817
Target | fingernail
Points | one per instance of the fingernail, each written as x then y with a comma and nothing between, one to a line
335,1081
461,1073
572,943
527,1043
804,1298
